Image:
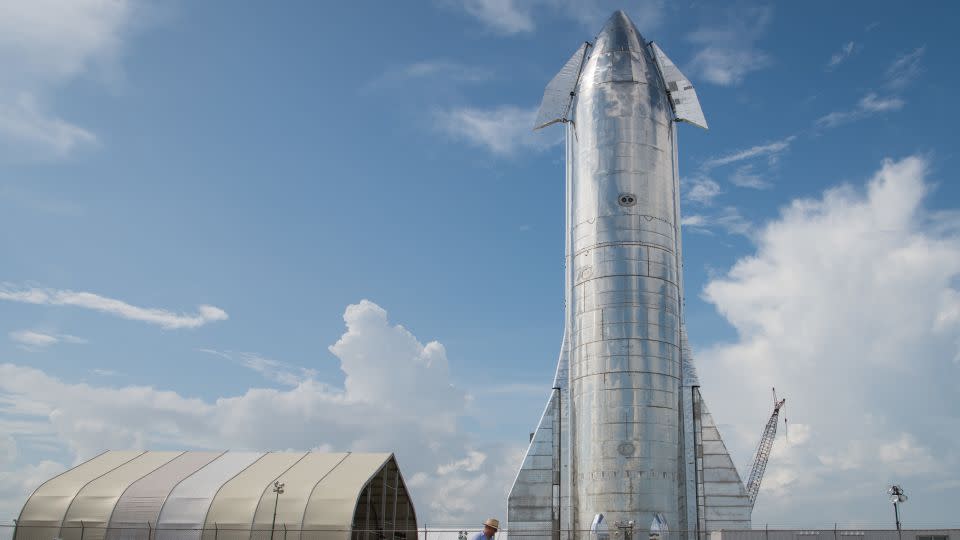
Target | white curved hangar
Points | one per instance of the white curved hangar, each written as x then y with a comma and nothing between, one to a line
223,496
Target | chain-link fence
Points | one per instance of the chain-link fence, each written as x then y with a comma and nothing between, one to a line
13,531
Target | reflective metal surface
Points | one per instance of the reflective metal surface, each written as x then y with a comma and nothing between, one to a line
619,438
686,105
558,96
625,301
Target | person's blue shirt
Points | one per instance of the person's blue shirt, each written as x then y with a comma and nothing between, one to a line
481,536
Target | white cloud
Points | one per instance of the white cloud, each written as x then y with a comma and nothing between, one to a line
842,55
503,16
745,177
8,449
396,396
160,317
24,124
270,369
905,69
504,130
446,69
771,151
471,463
694,220
33,340
728,50
702,190
842,308
17,482
902,72
511,17
869,105
434,71
727,219
43,45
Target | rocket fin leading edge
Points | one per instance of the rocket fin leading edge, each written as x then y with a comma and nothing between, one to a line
710,476
686,105
559,93
725,503
535,500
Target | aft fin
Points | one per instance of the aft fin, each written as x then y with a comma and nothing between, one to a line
532,506
714,495
535,500
686,106
558,96
726,504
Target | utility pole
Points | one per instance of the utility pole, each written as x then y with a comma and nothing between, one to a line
278,489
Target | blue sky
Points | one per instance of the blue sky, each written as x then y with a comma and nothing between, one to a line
192,194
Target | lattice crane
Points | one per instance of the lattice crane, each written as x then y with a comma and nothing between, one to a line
763,449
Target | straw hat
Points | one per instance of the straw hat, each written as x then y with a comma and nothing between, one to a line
492,522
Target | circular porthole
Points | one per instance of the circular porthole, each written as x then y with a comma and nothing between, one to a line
627,199
626,449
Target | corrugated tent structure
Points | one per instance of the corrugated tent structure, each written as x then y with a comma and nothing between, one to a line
134,495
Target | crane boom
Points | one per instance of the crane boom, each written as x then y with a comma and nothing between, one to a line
763,450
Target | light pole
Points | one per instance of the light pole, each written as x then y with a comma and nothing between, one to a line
897,496
278,489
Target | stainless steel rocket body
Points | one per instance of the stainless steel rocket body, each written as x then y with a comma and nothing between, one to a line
623,302
625,441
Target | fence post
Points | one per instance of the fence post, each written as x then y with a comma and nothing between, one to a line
82,529
216,531
284,531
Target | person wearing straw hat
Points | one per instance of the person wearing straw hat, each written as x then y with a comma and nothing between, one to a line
490,527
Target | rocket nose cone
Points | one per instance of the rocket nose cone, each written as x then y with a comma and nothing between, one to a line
619,34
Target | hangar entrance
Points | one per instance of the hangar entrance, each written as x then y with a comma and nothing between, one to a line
383,510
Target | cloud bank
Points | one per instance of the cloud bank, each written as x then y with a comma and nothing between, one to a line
396,395
850,308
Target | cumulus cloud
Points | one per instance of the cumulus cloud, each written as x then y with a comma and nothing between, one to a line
727,46
846,308
396,395
504,131
166,319
43,45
